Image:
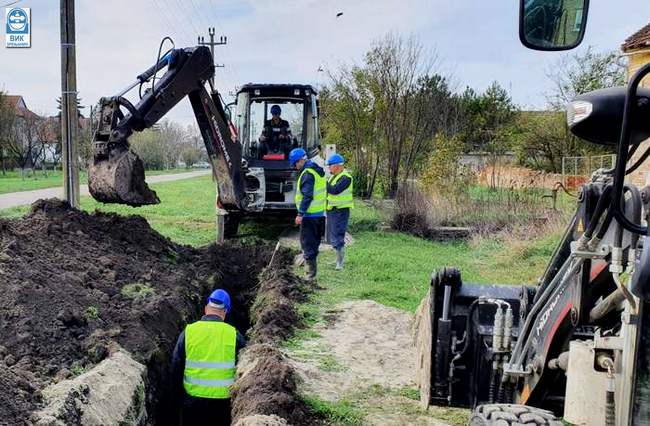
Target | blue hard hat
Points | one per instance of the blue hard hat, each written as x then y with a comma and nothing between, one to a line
296,155
276,110
335,159
219,299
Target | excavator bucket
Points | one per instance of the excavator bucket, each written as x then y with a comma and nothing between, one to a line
119,178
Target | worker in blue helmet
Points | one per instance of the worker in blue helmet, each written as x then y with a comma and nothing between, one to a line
203,364
310,199
339,203
276,134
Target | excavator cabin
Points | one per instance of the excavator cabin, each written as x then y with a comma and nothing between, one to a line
267,138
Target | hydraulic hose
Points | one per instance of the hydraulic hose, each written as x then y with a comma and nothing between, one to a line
623,149
605,198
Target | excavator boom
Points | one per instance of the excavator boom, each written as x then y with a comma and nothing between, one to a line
116,174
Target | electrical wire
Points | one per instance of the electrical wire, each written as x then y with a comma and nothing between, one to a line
172,23
191,22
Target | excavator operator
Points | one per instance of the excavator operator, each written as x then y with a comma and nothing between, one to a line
276,136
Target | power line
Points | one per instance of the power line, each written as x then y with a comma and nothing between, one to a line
169,22
175,19
182,9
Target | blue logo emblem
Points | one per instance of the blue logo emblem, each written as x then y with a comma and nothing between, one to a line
17,22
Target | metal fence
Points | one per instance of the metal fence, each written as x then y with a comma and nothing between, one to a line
578,170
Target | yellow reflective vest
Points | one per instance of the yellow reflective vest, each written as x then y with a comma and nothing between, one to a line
344,199
209,359
317,205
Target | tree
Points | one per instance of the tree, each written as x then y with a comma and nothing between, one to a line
349,120
7,118
394,65
384,113
583,72
542,138
25,141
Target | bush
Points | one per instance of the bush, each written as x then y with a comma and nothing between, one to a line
483,210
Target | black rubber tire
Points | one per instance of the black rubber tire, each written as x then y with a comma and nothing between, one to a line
231,225
512,415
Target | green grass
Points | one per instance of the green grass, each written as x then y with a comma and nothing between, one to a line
14,182
137,291
185,214
342,412
395,269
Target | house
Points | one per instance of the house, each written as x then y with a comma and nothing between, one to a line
637,49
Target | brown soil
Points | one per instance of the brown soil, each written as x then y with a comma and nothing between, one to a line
266,381
67,292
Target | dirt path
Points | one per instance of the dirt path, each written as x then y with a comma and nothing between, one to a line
14,199
364,356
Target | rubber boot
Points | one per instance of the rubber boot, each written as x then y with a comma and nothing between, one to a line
339,259
310,269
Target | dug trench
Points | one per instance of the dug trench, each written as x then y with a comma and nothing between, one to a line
91,306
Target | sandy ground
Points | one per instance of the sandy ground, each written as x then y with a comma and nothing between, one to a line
364,354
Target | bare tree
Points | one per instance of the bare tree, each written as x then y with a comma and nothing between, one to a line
394,65
25,140
7,118
583,72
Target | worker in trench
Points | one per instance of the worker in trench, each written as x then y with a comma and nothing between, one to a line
339,203
203,364
311,188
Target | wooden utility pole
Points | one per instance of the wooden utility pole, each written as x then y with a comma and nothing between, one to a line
222,40
69,115
220,213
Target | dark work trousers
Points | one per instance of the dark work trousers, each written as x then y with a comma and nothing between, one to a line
311,232
206,411
337,224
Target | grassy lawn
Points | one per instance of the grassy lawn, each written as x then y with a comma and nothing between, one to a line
185,214
389,267
14,182
395,269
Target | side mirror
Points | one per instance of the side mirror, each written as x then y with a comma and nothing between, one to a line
552,24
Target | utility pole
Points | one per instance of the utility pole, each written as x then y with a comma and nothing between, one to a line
69,115
220,213
222,40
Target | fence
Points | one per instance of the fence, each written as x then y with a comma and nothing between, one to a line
578,170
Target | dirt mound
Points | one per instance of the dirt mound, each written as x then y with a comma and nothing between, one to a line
71,283
266,385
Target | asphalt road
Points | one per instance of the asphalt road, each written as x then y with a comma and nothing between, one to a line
14,199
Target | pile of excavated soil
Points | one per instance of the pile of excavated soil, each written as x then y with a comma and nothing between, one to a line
266,382
72,285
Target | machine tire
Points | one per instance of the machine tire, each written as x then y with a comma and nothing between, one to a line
231,225
512,415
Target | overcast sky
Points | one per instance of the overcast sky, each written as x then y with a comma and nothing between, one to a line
288,40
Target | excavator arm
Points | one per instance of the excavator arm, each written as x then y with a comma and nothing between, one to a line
116,174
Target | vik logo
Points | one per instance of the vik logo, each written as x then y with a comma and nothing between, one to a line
17,22
18,27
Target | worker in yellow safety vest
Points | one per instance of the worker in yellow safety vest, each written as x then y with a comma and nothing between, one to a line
203,364
339,202
310,206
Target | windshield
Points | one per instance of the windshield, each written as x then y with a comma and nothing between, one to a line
261,134
291,111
